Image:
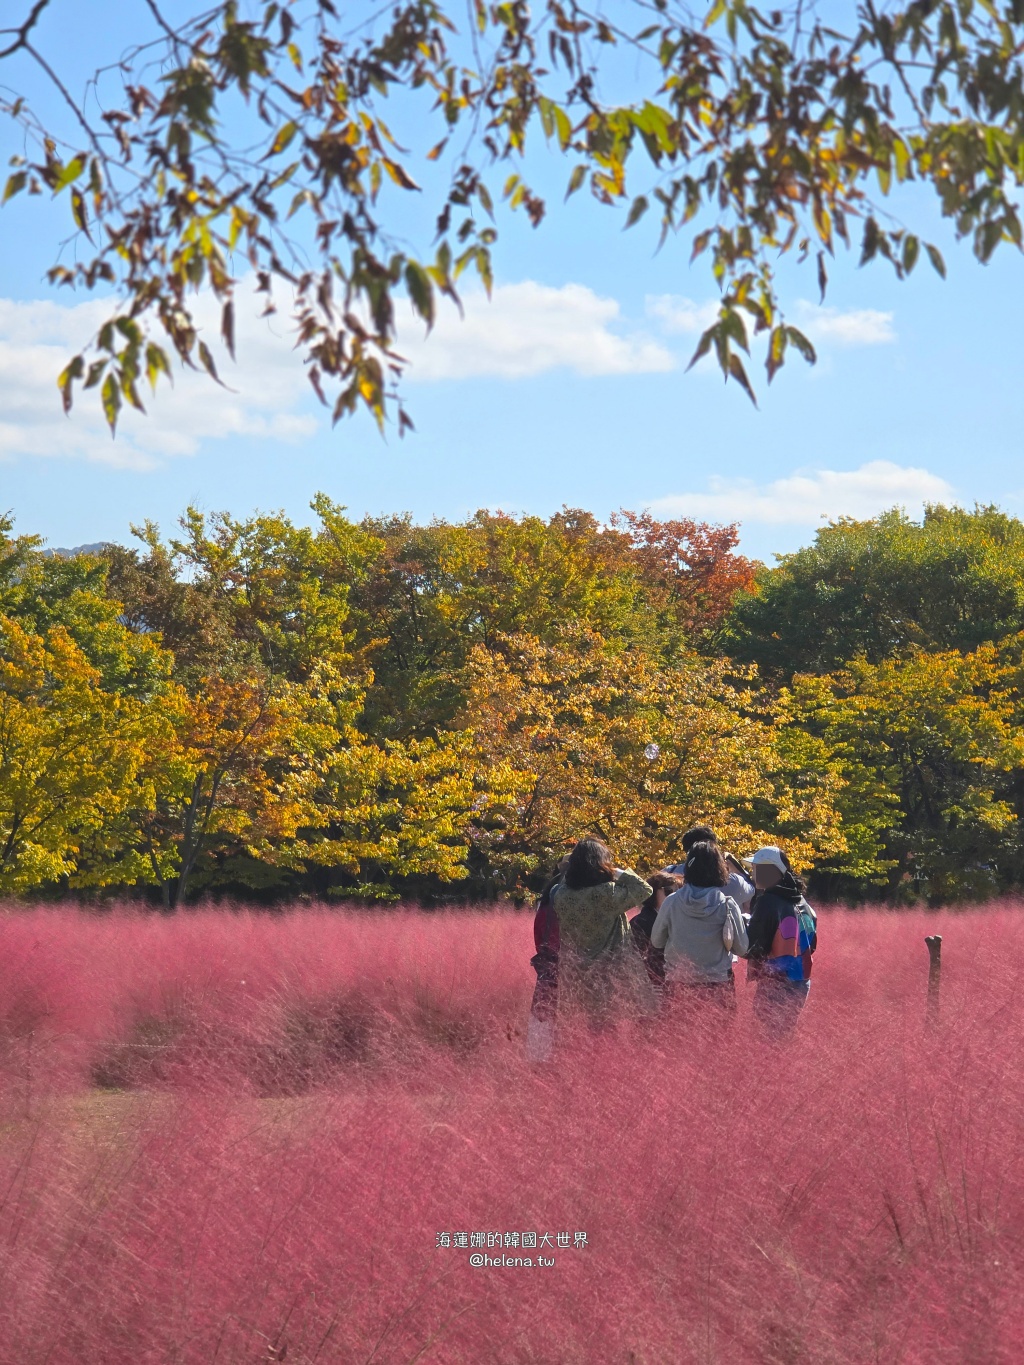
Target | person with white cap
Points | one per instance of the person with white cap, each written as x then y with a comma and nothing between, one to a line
782,935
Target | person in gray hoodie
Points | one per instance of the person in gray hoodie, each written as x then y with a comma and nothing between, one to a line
700,927
739,885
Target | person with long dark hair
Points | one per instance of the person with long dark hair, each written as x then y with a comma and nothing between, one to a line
783,934
700,927
738,884
597,960
640,926
540,1028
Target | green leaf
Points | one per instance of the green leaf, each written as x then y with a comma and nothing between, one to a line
156,361
284,176
776,352
72,371
901,152
733,326
303,197
15,184
68,173
658,122
79,212
935,256
737,372
715,13
130,330
704,345
987,238
206,357
576,179
283,138
130,392
111,395
802,345
483,269
421,291
911,249
637,210
564,126
95,374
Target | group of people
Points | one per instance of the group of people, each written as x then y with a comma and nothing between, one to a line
696,918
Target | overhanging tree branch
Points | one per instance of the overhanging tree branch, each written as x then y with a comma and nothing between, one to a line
21,34
760,133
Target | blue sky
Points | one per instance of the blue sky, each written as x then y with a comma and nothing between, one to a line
567,388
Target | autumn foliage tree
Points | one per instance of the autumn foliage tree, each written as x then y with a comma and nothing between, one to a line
71,755
378,710
576,737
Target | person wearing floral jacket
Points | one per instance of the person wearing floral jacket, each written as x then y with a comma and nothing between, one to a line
599,966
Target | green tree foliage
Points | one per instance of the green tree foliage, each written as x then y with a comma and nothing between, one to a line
378,709
954,580
926,745
254,137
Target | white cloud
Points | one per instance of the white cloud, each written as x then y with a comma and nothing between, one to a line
528,329
806,496
525,329
38,337
677,315
855,327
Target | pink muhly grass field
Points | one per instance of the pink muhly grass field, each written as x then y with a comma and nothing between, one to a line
235,1137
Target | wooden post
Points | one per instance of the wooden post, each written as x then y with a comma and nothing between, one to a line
934,942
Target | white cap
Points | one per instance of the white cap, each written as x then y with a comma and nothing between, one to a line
772,854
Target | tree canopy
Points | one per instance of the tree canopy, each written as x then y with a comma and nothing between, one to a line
280,138
379,709
876,588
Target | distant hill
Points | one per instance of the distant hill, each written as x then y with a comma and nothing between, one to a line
60,552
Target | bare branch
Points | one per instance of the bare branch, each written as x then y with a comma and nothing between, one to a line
22,33
66,95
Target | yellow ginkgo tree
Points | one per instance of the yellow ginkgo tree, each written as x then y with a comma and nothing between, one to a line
72,754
